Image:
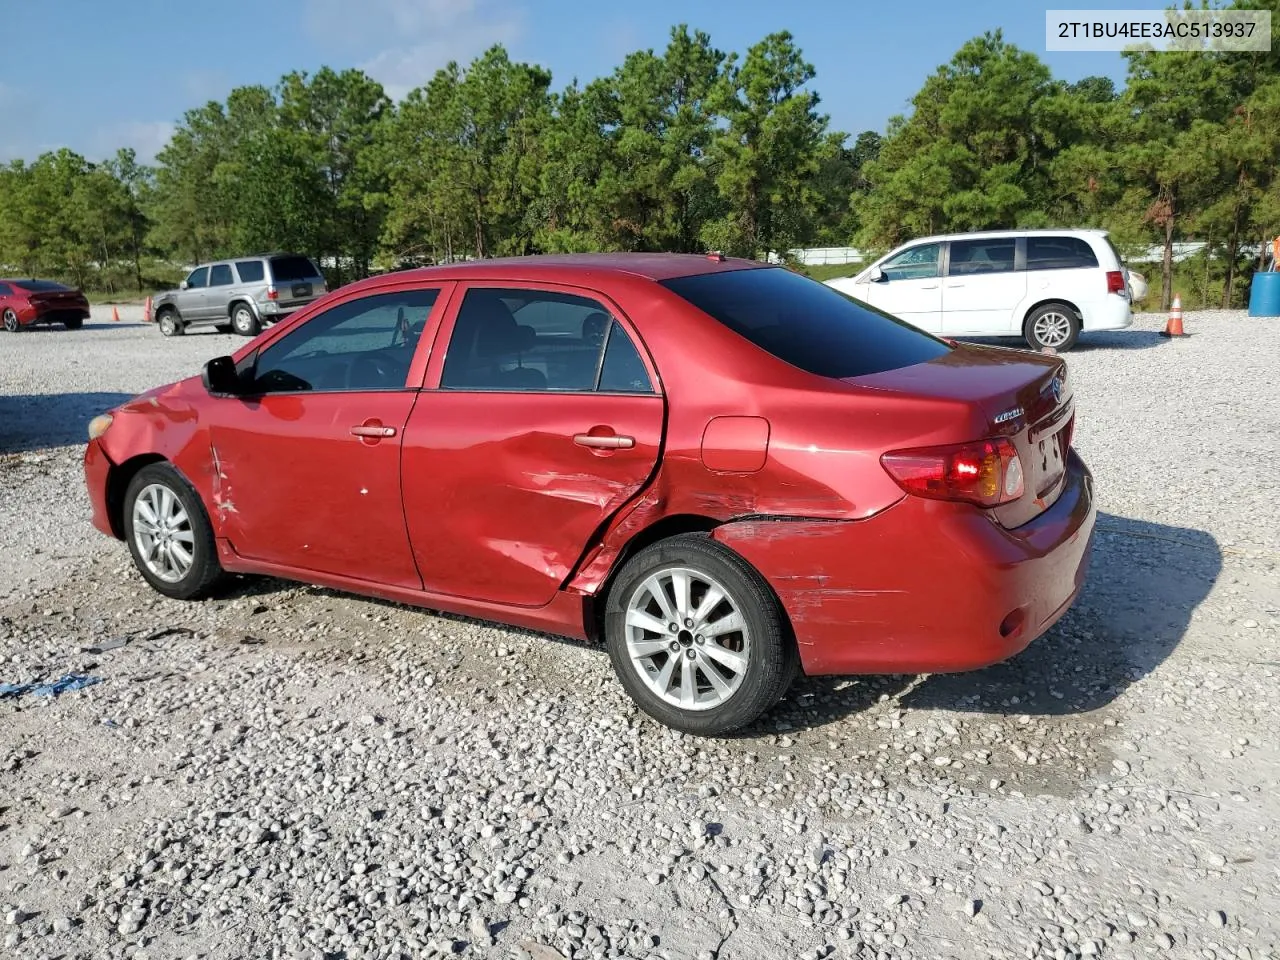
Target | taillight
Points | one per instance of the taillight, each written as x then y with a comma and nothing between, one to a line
1115,281
273,293
985,472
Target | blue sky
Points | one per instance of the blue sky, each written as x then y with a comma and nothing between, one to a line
97,74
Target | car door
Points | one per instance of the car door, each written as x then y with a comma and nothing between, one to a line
218,297
910,286
191,299
308,454
538,423
982,287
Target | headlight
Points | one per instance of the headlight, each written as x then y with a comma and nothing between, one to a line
98,425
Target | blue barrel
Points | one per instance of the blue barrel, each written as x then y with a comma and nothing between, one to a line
1264,295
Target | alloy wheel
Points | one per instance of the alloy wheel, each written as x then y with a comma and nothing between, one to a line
162,532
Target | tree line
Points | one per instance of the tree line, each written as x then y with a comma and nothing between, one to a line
687,149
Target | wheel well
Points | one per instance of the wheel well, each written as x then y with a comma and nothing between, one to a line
167,308
1044,303
661,530
238,301
118,482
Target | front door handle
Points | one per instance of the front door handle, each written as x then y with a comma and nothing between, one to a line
372,430
612,442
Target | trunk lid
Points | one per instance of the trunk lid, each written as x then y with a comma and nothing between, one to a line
1024,397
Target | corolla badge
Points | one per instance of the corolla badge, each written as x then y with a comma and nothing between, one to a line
1011,414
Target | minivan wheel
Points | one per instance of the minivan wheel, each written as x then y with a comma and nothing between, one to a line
697,637
169,534
1053,325
243,321
11,324
168,323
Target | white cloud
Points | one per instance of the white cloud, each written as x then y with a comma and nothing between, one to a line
402,43
146,137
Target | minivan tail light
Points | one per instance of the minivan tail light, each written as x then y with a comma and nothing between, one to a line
273,293
985,472
1115,281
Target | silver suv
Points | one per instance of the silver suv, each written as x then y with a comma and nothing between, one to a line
240,294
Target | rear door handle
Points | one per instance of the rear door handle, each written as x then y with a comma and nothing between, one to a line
369,430
604,443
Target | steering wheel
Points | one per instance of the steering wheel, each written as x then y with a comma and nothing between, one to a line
380,368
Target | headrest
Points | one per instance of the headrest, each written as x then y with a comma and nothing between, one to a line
594,325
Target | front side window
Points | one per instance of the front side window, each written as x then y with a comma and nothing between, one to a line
536,340
1059,253
916,263
220,275
969,257
364,344
4,290
198,278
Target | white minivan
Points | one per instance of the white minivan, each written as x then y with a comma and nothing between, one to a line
1046,286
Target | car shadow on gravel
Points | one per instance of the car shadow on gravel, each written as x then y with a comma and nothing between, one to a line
1144,584
39,421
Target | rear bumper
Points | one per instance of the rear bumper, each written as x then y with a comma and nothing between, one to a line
97,470
1112,313
925,586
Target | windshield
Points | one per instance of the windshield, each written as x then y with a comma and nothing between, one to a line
806,323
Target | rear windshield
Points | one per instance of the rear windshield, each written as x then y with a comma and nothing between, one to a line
806,323
38,286
284,269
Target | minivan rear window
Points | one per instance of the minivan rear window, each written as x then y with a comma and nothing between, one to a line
806,323
1059,253
284,269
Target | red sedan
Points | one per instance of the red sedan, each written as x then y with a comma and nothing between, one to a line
723,470
26,303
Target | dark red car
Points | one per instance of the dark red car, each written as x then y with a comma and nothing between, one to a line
26,303
725,471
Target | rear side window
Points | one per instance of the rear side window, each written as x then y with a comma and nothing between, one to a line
970,257
220,275
43,286
807,324
251,271
285,269
1059,253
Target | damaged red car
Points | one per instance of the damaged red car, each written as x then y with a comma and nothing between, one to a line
724,471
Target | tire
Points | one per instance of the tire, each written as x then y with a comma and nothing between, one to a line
169,323
771,658
11,324
168,496
1053,325
75,324
243,321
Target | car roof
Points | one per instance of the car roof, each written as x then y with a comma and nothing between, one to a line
998,234
566,267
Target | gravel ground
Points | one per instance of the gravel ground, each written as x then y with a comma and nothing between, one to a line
292,772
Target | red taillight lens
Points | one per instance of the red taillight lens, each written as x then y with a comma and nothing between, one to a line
986,472
1115,281
273,293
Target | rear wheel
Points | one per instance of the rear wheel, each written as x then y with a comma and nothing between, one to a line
169,533
169,324
697,637
11,324
73,324
1053,325
243,321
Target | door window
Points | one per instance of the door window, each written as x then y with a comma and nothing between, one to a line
917,263
540,340
969,257
220,275
364,344
199,278
4,290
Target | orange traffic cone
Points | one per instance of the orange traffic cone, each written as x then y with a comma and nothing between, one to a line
1174,327
146,311
115,315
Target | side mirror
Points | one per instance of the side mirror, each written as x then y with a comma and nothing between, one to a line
220,377
876,275
183,285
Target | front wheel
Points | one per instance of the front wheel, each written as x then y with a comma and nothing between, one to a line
1053,325
169,324
169,533
11,324
697,637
